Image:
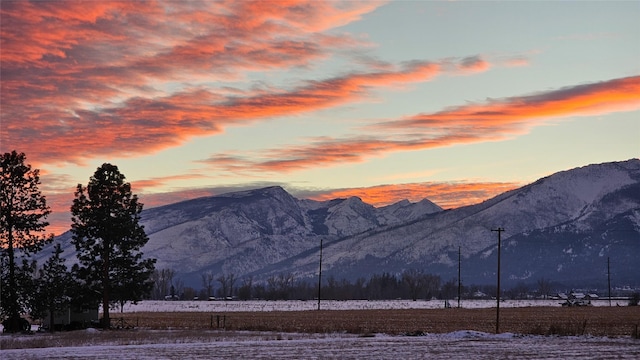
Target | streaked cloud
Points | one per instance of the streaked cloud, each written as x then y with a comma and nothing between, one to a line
117,78
513,114
87,81
150,184
495,119
446,194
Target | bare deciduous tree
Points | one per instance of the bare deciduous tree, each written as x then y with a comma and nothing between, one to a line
207,282
226,282
544,287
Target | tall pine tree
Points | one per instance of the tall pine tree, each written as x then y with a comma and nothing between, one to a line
108,238
23,210
54,287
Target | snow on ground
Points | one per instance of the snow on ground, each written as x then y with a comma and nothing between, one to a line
294,305
456,345
464,344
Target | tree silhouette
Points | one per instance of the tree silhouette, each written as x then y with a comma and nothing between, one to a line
108,237
162,279
54,287
415,281
23,210
544,287
226,282
207,282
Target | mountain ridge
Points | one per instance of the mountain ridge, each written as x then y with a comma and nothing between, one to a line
265,232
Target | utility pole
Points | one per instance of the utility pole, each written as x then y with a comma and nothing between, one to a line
320,275
459,279
609,279
499,230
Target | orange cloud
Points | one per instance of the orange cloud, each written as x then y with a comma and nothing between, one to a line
515,113
446,195
82,81
493,120
59,201
141,125
148,184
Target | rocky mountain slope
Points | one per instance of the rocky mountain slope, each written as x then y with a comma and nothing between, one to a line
244,232
562,227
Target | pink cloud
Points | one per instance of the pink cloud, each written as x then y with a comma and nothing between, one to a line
515,113
141,125
446,195
84,81
69,69
493,120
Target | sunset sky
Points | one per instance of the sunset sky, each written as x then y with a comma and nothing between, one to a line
452,101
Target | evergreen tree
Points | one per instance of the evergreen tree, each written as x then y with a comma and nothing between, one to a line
23,210
132,279
108,238
55,285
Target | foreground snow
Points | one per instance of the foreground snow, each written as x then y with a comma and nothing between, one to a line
260,305
456,345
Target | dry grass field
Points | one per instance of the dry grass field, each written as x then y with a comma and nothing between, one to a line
597,321
347,334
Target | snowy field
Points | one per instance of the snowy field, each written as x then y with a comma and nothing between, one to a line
211,344
294,305
456,345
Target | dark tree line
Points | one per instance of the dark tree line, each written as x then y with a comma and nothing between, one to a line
106,235
410,284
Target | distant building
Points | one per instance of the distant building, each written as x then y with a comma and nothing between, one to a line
576,296
576,299
72,318
479,295
591,297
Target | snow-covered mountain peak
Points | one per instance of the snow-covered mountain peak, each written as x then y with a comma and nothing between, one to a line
428,206
589,183
271,191
594,210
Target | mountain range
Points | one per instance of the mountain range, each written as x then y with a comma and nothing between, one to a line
565,228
